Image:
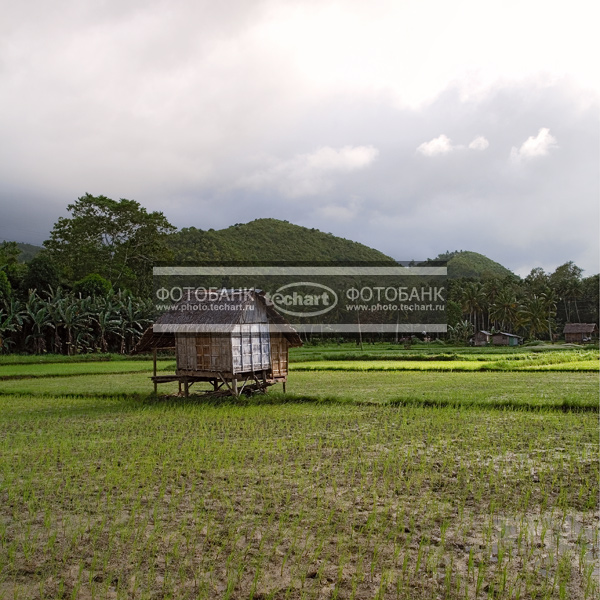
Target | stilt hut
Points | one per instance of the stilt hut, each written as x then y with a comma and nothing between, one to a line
237,343
481,338
502,338
579,333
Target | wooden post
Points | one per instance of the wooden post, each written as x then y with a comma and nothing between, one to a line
154,370
235,387
359,331
186,388
284,387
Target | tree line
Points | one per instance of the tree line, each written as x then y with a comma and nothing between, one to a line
89,289
535,307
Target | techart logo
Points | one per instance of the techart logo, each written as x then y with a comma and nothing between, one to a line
304,299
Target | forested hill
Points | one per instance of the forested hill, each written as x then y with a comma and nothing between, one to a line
274,240
462,263
268,240
27,251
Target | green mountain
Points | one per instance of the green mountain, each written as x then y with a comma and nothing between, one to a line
268,240
462,263
272,240
28,251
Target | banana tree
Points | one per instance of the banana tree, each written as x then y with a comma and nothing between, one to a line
108,320
11,322
38,320
135,317
74,318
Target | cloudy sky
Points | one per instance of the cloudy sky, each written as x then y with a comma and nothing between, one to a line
412,126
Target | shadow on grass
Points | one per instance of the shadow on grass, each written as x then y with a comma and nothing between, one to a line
278,399
136,401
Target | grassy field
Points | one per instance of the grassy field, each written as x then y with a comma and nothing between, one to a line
359,483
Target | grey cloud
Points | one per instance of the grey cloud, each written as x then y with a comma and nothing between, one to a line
181,109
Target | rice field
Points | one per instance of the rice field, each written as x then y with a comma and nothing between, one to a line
356,484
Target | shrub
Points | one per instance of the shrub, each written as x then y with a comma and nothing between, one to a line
5,287
92,285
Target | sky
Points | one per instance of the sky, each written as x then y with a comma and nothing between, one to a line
414,127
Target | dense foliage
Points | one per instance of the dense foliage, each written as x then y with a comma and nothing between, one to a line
462,263
535,307
64,323
88,289
268,240
119,240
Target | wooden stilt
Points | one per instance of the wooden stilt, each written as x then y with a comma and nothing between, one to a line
186,388
235,387
154,370
243,385
225,382
284,387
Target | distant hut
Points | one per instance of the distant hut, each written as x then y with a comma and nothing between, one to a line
238,343
481,338
506,339
578,333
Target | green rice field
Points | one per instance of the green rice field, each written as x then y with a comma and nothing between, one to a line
382,473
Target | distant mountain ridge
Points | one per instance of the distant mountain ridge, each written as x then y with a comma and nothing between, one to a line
273,240
28,251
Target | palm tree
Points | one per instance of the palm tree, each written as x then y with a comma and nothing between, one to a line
474,302
550,302
505,309
534,315
490,290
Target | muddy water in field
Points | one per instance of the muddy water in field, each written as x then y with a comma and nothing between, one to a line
576,534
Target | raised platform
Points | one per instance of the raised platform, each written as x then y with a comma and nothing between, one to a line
224,384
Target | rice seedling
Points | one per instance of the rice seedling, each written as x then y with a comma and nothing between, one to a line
389,485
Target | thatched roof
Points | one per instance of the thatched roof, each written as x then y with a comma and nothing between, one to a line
252,307
151,341
580,328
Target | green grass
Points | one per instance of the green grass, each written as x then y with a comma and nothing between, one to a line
356,484
494,389
27,359
387,365
432,351
119,497
562,361
81,368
